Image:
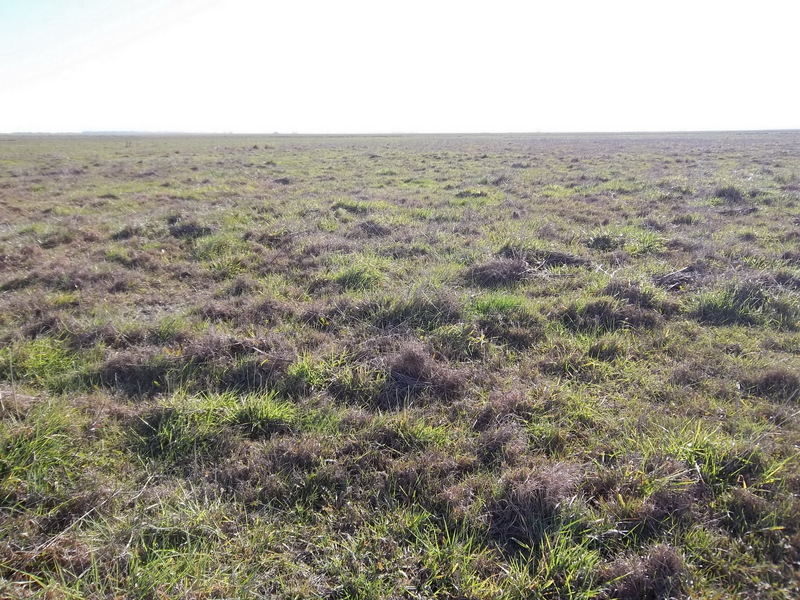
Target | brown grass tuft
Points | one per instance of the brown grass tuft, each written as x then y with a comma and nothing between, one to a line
188,229
632,293
530,499
502,444
777,384
413,372
499,272
608,315
657,575
502,408
370,229
543,257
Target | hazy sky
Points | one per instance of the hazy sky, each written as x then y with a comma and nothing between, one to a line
344,66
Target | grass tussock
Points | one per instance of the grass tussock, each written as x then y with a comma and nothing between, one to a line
499,272
604,315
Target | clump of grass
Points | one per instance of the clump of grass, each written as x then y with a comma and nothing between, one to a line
733,305
659,573
722,461
606,349
372,228
471,193
188,229
503,444
544,257
746,303
499,272
38,459
136,372
459,341
356,207
121,255
55,236
340,375
413,372
501,408
746,512
729,193
561,567
404,432
631,292
265,414
190,430
643,242
687,219
509,319
499,303
530,501
225,255
359,272
358,277
241,286
46,362
605,315
778,384
416,311
453,563
605,242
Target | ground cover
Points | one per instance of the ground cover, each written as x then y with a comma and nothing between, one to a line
400,366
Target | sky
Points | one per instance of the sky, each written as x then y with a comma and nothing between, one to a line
433,66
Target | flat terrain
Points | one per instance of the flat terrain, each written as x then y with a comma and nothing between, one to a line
455,367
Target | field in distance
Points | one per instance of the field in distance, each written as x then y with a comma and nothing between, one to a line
454,367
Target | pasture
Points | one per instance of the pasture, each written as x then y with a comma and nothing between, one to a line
452,367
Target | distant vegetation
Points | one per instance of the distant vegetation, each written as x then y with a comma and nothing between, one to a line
451,367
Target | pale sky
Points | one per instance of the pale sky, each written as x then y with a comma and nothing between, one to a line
346,66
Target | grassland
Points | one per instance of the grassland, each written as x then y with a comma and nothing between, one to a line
447,367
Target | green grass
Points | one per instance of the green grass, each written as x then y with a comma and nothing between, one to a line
554,366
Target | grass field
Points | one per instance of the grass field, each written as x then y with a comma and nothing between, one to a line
454,367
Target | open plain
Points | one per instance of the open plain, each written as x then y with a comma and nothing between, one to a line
455,367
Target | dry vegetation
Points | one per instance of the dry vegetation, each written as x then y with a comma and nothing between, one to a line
400,367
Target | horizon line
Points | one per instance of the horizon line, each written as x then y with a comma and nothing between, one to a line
390,133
